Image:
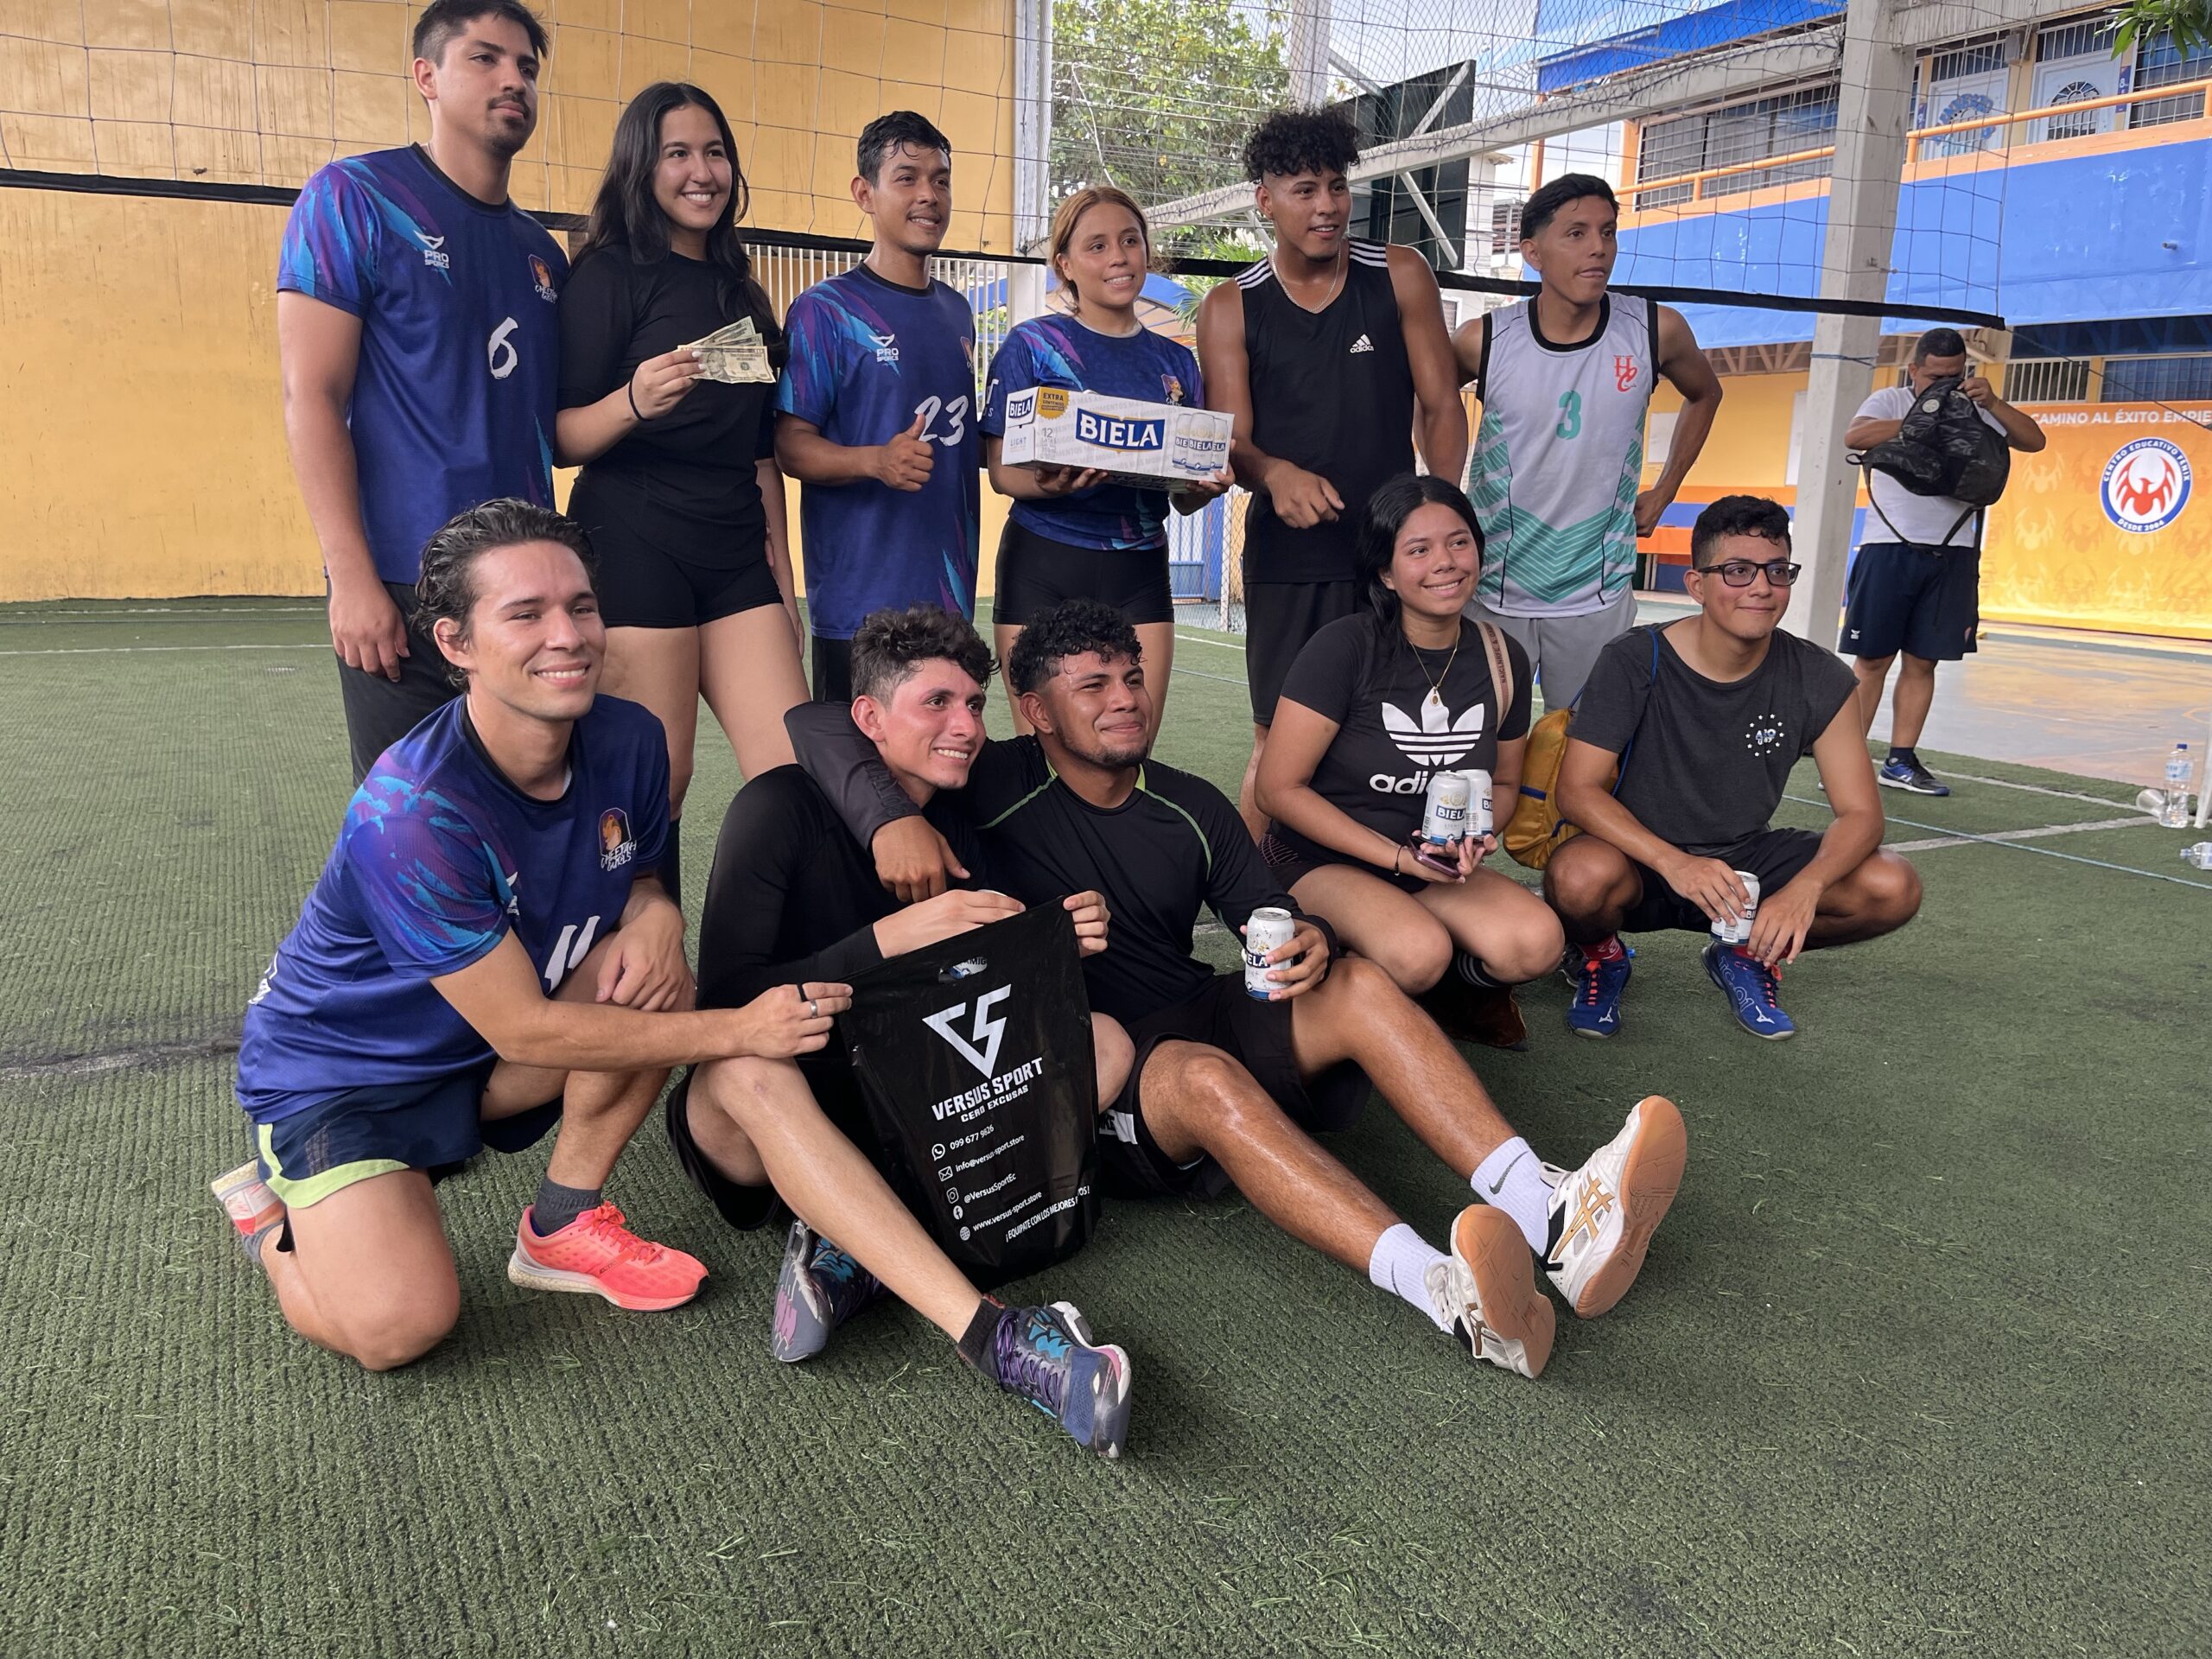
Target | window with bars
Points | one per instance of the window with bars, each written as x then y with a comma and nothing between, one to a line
1958,86
2159,62
2155,380
1779,125
1504,227
2048,380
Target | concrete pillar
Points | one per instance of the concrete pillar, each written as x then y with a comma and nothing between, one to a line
1309,52
1874,108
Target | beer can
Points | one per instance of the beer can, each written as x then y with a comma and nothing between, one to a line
1445,818
1480,820
1739,933
1268,928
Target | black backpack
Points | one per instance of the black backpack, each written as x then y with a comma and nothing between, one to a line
1944,447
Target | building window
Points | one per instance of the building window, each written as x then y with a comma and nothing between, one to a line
2159,62
2047,380
1958,86
2155,380
1780,125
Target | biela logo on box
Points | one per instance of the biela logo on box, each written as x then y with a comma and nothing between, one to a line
1111,432
2145,485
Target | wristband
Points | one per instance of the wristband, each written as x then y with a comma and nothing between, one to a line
630,391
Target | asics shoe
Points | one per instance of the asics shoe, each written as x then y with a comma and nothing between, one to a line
1910,775
1487,1289
1753,989
1045,1356
596,1255
1603,1215
1599,983
246,1199
819,1289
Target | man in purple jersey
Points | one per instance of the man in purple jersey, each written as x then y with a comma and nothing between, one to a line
876,410
488,952
416,327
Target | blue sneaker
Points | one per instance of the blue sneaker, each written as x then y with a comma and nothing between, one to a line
818,1288
1045,1356
1598,981
1910,775
1752,989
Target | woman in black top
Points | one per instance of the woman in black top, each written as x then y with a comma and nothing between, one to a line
679,491
1373,706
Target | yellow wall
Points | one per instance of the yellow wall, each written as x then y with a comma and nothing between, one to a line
138,393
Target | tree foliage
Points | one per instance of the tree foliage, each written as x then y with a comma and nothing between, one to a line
1155,96
2188,22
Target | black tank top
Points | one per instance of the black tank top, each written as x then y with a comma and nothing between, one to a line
1331,392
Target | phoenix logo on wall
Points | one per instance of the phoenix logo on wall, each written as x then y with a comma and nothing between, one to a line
2145,485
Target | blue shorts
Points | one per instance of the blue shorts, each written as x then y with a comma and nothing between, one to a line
360,1132
1925,601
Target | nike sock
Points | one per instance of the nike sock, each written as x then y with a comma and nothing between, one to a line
1400,1264
977,1342
556,1206
1904,754
1512,1178
1471,969
671,863
1609,949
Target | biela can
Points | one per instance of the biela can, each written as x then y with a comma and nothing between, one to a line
1443,819
1268,928
1739,933
1480,819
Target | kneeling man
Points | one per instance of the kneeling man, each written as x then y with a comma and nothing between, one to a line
487,952
792,912
1704,718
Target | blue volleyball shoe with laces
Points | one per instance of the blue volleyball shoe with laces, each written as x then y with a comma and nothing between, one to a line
1045,1356
818,1288
1598,982
1753,991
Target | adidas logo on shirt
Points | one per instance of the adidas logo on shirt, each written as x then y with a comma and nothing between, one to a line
1363,344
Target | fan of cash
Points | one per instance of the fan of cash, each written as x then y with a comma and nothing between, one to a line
734,354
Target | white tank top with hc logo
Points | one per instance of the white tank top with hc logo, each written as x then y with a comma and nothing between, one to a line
1559,457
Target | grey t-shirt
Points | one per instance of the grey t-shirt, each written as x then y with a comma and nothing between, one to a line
1922,520
1706,761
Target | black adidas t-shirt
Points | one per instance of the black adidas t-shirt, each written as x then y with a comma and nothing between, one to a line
1708,760
1392,731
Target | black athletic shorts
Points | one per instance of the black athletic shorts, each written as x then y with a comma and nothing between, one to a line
833,670
380,712
1253,1032
1036,573
1773,856
1279,617
835,1090
1925,601
641,586
1292,864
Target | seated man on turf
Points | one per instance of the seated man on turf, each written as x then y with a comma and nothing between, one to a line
1226,1086
1704,718
488,951
793,909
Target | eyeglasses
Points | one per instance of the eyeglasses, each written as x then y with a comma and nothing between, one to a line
1738,573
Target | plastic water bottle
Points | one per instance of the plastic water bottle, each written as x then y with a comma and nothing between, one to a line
2199,855
2173,813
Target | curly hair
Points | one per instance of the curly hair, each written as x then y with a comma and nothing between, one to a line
1737,515
446,591
1069,629
891,644
1291,141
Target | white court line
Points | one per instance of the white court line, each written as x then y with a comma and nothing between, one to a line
130,650
2038,789
2010,841
170,610
1200,640
1932,842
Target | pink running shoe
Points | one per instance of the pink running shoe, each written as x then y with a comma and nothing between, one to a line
597,1255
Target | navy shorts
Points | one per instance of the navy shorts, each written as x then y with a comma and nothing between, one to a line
1773,856
829,1076
1925,601
1254,1034
385,1127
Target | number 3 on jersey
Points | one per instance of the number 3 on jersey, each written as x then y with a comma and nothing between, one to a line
1570,415
956,415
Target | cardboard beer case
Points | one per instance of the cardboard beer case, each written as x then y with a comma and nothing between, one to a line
1146,445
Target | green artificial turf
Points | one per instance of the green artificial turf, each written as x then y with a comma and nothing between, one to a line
1919,1364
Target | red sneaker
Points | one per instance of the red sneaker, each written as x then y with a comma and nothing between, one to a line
596,1254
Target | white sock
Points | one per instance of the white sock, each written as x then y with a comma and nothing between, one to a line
1400,1264
1512,1178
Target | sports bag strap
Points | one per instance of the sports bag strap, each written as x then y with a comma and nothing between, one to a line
1501,668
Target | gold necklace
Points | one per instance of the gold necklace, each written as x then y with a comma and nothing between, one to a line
1344,265
1436,682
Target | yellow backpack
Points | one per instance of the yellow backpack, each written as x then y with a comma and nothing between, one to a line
1537,830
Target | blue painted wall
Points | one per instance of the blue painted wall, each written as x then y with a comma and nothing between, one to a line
1606,39
2071,239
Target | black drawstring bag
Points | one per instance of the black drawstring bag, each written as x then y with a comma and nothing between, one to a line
973,1056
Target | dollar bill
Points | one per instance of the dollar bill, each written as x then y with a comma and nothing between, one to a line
733,354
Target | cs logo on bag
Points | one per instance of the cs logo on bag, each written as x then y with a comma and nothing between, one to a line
2146,486
984,1030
